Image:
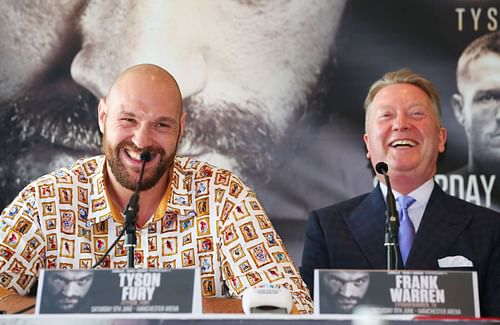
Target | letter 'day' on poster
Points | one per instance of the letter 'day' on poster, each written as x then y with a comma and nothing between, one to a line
440,293
119,291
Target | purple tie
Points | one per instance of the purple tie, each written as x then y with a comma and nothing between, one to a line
406,229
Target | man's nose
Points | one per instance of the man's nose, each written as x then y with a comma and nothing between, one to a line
93,75
142,137
497,115
70,289
401,122
348,290
145,25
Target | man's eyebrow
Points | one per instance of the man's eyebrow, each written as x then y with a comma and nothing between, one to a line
167,119
334,277
127,113
363,277
481,94
85,277
252,3
60,277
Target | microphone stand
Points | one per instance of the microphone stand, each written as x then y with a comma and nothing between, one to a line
131,213
391,241
130,228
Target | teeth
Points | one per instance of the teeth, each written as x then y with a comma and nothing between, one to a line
407,143
134,155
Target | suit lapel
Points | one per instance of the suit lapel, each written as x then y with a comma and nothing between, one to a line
440,226
367,225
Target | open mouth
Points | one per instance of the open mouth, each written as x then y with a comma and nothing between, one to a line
68,303
134,155
403,143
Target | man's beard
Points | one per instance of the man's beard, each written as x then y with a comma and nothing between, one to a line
243,132
345,305
42,130
120,171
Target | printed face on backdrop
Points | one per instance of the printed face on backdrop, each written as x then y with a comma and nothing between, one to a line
67,290
403,131
477,108
346,289
248,71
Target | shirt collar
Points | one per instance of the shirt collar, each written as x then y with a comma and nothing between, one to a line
99,210
101,207
421,194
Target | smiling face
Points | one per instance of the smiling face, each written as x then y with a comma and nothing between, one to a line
246,67
403,131
477,108
143,111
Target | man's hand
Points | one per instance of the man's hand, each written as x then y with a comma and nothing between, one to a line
227,306
222,306
14,303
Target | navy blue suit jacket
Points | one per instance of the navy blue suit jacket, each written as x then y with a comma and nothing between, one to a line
350,235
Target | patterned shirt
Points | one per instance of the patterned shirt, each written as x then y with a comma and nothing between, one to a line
208,218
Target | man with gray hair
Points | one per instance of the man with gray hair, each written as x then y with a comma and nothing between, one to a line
403,130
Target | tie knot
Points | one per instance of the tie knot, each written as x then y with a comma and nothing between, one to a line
405,201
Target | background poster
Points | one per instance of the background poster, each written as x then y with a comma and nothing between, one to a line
273,89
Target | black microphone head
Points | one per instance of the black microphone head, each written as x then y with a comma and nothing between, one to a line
145,156
381,168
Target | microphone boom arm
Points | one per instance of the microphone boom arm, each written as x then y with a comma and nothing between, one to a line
391,241
131,215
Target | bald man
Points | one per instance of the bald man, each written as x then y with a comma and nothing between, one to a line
189,214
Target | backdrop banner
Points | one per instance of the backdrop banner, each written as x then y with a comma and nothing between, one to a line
273,90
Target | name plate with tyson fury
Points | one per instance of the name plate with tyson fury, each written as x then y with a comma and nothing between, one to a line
119,291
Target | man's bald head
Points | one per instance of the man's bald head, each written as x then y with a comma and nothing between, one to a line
144,78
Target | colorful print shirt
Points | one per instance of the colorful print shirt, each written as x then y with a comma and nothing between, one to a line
208,219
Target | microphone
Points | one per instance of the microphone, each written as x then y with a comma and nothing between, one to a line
131,213
130,217
382,168
145,157
392,222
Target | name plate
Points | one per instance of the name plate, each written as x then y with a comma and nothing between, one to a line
119,291
440,293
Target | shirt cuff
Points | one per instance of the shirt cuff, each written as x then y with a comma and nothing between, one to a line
6,292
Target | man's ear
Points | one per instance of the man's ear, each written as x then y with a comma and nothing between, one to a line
365,139
442,139
457,103
183,123
101,113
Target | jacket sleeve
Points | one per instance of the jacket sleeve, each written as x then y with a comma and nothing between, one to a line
315,254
